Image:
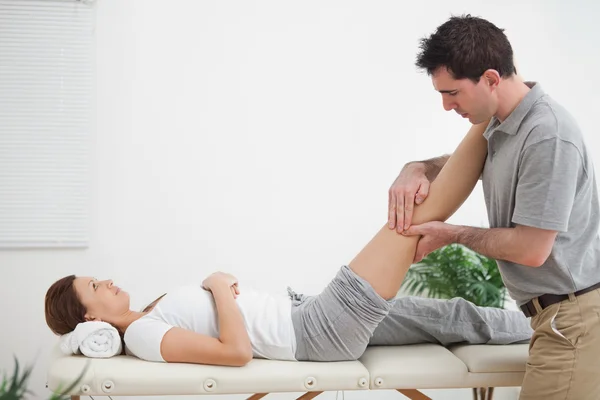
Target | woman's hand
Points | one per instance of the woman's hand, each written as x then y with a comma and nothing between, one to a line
222,279
232,347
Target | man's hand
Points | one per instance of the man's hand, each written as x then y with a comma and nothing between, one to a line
410,187
222,278
434,234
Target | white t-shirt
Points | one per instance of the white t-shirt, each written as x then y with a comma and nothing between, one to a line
267,318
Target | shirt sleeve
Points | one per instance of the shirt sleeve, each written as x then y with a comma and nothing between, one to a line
547,184
144,336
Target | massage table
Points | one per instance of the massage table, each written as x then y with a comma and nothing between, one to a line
407,369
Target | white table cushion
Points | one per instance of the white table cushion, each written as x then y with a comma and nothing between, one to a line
493,365
125,375
420,366
493,358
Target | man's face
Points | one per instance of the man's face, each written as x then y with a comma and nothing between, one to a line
468,99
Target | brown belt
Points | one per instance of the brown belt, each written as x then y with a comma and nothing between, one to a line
546,300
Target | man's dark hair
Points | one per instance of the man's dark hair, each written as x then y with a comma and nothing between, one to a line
467,46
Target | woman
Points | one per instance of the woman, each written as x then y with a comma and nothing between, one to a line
216,323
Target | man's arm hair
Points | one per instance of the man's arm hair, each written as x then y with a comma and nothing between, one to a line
522,245
433,166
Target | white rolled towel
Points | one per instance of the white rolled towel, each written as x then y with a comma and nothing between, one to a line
95,339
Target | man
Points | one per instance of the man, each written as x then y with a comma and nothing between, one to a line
541,197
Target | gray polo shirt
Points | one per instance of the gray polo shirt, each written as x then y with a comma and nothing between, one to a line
539,173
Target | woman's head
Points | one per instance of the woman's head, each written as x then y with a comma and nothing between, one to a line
72,300
62,306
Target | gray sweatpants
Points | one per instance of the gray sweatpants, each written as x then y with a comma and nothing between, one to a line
339,323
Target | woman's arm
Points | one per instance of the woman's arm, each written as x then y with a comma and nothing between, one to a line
383,262
232,348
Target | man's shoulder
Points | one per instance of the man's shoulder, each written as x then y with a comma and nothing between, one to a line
548,119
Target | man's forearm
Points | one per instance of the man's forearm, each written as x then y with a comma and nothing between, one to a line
433,166
497,243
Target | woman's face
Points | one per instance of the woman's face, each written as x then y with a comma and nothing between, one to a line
102,300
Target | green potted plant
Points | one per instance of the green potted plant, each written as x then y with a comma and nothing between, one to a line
15,386
456,271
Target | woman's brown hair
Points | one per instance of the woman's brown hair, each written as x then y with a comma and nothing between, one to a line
62,306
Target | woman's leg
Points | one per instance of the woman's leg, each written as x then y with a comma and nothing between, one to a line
338,323
423,320
383,262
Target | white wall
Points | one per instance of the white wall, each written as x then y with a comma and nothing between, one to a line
260,138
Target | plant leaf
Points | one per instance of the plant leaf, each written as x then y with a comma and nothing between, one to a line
15,387
456,271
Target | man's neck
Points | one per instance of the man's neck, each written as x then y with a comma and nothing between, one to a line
510,93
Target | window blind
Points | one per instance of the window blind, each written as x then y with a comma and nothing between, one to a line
46,119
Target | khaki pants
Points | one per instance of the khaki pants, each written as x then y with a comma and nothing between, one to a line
564,352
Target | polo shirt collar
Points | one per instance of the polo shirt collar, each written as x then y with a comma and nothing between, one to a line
511,124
